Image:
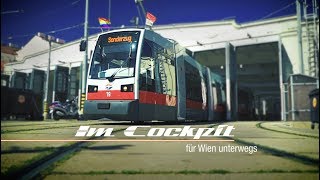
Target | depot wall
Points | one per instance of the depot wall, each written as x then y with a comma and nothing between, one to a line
194,36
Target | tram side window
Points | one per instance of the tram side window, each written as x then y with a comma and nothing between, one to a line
193,83
147,68
167,75
157,69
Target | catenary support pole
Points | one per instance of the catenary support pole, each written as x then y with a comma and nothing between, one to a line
46,92
84,62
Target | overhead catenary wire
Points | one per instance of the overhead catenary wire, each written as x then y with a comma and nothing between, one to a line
277,11
20,36
48,32
73,3
64,29
12,11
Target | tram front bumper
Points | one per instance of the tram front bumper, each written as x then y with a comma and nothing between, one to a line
115,110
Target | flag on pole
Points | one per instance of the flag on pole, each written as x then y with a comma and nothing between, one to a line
150,19
104,23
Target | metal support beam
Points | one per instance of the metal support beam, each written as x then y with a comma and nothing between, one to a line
315,11
231,82
235,80
210,99
299,31
282,93
228,83
292,99
266,93
259,84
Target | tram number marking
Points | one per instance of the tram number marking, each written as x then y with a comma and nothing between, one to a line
108,94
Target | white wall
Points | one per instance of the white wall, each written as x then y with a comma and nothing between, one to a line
62,55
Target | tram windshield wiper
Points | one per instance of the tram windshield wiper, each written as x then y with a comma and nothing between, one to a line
106,73
128,59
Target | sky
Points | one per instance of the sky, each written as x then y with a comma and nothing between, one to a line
22,19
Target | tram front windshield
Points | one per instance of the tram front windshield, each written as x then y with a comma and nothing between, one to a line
115,55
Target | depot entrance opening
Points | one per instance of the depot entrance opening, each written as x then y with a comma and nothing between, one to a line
256,74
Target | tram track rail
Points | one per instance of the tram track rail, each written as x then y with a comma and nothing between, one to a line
277,152
280,153
34,169
259,125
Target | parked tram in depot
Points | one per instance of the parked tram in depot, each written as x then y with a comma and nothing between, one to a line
138,75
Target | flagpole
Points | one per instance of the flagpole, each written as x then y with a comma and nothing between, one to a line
109,16
109,10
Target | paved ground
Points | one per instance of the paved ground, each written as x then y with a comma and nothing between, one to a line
285,150
299,139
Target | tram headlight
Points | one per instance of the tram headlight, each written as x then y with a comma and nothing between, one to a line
127,88
92,88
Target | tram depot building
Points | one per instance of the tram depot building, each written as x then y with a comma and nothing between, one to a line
269,77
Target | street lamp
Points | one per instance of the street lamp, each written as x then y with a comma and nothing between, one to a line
45,101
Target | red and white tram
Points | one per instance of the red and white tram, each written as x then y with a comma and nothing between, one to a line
138,75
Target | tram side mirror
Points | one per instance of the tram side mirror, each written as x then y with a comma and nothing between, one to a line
83,45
